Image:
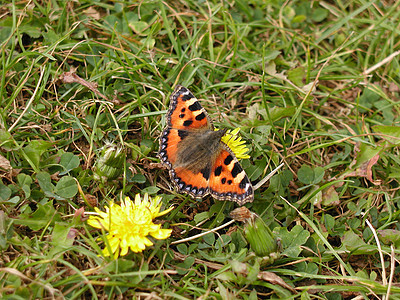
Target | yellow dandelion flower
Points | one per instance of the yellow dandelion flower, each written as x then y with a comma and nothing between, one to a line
130,224
237,145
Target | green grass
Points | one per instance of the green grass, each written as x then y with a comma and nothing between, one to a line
314,85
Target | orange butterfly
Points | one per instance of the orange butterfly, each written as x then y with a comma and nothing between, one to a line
199,162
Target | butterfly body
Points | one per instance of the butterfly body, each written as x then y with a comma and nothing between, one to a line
198,149
199,162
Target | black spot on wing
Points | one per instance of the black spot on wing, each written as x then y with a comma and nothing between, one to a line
228,160
181,116
236,169
201,116
223,180
187,123
187,96
195,106
218,171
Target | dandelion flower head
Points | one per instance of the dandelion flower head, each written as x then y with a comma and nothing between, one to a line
130,224
235,142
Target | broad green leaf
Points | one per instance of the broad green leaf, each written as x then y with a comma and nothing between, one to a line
185,265
280,181
365,153
62,238
5,192
182,248
33,32
222,241
329,222
51,36
318,175
216,208
148,42
352,242
305,174
291,241
254,171
252,272
209,238
389,236
330,196
27,190
386,109
66,187
138,26
362,274
192,247
299,19
319,14
69,161
227,276
146,146
201,217
34,150
151,190
278,113
368,98
138,178
253,295
14,200
297,76
6,140
44,180
390,133
308,175
6,231
135,151
122,265
59,235
32,156
40,218
24,179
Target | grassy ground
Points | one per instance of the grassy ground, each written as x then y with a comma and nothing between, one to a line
313,85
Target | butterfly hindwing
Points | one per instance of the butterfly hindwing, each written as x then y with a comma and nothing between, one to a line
186,181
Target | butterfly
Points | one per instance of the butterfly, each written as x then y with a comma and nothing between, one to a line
199,162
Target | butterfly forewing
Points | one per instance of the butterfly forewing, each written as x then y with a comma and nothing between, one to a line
186,112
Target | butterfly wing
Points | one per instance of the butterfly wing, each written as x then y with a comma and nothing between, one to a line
189,182
185,116
185,111
228,180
